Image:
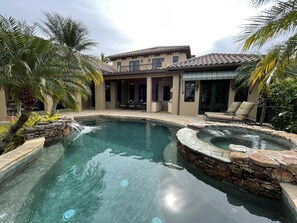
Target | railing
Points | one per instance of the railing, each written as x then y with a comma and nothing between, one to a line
140,68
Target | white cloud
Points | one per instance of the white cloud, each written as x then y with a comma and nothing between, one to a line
124,25
175,22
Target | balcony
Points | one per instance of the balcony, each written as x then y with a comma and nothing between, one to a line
141,67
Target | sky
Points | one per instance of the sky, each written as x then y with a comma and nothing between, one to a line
208,26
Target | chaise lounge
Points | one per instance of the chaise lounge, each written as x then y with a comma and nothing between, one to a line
231,110
241,114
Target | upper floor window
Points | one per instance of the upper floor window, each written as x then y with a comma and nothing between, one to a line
119,64
134,65
157,63
175,59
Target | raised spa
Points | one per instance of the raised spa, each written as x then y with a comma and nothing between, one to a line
223,136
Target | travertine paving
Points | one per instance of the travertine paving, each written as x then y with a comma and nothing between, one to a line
14,161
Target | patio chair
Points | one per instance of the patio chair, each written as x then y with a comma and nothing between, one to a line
124,105
231,110
241,115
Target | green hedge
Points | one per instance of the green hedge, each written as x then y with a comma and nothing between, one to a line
283,95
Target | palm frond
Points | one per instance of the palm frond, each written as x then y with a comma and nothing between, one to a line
279,20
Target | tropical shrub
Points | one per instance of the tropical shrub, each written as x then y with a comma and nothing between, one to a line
18,138
283,95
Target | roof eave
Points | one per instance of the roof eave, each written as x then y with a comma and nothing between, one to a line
114,57
204,67
135,72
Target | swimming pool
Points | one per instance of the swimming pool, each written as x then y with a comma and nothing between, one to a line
126,171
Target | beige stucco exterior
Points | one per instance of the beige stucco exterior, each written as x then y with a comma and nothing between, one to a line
146,61
253,96
189,108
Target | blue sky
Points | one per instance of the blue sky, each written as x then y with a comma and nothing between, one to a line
125,25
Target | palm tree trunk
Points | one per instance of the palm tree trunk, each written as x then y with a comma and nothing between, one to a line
54,106
25,114
264,108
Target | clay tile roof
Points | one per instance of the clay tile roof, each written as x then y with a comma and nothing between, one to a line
104,67
215,59
153,50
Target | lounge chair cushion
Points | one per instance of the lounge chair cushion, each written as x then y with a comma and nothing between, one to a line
233,107
231,110
244,109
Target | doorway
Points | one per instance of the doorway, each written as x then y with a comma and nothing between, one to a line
214,96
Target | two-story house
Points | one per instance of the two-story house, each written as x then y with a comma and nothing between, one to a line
168,79
141,80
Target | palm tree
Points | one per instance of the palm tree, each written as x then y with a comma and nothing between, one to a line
244,80
280,20
27,62
72,36
103,58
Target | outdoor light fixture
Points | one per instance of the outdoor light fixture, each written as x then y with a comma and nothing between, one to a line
233,87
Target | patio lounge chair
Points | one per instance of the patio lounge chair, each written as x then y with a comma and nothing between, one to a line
231,110
241,115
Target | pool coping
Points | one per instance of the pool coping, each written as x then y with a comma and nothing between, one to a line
16,160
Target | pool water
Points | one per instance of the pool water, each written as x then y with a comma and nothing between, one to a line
222,137
130,172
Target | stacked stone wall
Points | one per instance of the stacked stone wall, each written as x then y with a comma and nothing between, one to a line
50,131
260,172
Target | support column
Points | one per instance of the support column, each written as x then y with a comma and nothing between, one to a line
3,111
113,98
100,96
175,94
149,86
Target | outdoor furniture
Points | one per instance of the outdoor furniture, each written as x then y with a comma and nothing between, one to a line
241,115
231,110
141,105
133,105
124,105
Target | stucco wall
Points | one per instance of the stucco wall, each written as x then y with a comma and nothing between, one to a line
112,103
253,96
168,59
189,108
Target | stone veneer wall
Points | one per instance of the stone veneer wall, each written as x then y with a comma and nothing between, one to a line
260,172
49,131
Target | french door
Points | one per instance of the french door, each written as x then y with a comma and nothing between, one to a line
214,96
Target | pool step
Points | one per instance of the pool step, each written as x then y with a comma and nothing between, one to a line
290,197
